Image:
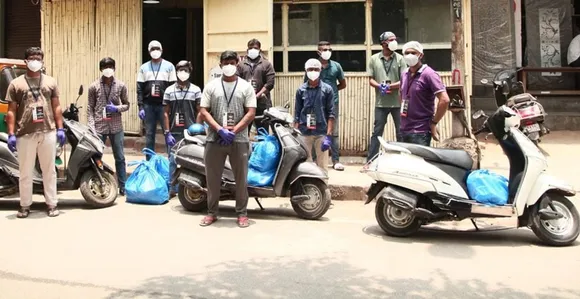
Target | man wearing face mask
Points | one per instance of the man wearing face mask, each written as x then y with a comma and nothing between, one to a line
35,125
260,73
331,74
420,85
181,103
314,113
228,105
153,78
385,70
108,98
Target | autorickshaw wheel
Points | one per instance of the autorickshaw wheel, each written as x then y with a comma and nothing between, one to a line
192,200
96,195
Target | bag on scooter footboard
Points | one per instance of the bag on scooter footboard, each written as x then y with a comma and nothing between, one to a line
145,185
265,153
258,178
160,164
487,187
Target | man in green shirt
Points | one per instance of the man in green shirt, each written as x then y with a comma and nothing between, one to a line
384,72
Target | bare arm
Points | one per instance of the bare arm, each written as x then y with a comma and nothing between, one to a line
166,117
11,117
330,112
269,78
442,106
56,109
342,84
209,119
198,118
246,120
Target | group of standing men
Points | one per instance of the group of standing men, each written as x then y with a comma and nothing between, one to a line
405,88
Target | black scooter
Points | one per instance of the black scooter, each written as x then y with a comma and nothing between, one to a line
86,171
304,182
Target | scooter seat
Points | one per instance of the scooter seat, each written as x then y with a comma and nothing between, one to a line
458,158
3,137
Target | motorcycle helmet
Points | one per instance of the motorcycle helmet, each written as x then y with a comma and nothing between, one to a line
196,129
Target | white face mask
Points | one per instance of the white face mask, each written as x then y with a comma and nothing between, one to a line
108,73
411,59
393,45
313,75
155,54
253,53
182,76
326,55
229,70
34,65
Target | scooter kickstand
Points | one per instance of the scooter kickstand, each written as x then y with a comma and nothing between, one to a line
474,224
259,203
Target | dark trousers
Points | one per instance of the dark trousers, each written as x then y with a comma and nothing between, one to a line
215,157
118,146
172,165
153,115
381,115
418,138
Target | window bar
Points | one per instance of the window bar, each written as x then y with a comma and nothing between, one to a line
285,9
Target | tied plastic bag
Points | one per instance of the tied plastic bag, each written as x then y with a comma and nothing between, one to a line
487,187
265,153
145,185
159,163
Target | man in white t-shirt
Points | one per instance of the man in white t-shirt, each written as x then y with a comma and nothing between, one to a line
228,105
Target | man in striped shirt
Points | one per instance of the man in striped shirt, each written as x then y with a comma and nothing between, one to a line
153,78
181,101
108,98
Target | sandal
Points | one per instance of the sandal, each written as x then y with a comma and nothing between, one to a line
52,212
243,222
23,213
208,220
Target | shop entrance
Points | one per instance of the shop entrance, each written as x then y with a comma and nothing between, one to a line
178,25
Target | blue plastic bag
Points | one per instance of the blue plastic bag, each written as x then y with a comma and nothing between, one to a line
258,178
487,187
160,164
145,185
265,153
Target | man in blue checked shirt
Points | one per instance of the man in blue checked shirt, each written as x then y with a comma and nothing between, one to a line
181,101
314,113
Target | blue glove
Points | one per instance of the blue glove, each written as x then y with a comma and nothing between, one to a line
170,140
227,135
326,143
12,143
223,142
112,108
60,136
142,114
384,87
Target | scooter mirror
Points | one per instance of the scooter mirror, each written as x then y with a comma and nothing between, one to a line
478,114
484,81
81,90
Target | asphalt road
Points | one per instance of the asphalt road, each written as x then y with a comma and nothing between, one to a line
132,251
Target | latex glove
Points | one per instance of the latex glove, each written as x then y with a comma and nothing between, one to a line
170,140
142,114
12,143
60,136
384,88
227,135
112,108
223,142
326,143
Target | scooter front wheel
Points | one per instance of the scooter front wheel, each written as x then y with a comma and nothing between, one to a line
556,232
395,221
319,202
96,195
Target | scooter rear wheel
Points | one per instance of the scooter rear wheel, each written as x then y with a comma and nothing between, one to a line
191,200
558,232
395,221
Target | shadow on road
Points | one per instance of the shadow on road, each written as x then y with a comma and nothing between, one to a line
314,278
38,208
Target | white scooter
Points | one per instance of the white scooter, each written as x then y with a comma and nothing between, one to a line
418,185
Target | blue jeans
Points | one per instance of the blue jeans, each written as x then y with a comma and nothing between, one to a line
418,138
172,164
381,115
118,146
153,115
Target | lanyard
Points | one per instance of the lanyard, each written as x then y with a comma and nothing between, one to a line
35,94
107,94
231,95
158,69
387,68
180,103
412,79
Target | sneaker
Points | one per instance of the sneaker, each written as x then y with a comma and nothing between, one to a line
338,166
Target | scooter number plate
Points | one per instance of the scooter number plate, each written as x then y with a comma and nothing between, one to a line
533,128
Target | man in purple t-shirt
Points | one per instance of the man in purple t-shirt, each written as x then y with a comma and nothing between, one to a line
420,85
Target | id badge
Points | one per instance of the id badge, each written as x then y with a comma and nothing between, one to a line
254,85
228,120
106,115
311,121
155,90
38,114
179,120
404,107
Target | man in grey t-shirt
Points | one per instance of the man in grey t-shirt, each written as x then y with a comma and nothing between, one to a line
228,105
